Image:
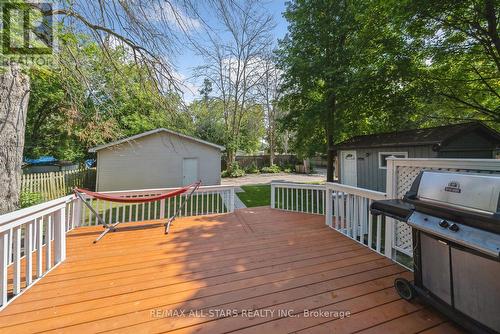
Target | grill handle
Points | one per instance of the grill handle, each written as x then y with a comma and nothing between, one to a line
394,208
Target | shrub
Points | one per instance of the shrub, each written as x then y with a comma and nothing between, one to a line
234,170
271,169
252,169
27,199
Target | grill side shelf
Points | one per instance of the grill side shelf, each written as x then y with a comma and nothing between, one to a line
394,208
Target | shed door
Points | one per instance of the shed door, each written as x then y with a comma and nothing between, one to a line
348,168
189,170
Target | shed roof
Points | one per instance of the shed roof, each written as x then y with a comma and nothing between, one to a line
151,132
427,136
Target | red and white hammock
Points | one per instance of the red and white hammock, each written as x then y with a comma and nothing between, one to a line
121,199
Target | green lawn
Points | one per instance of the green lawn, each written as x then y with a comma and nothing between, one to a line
257,195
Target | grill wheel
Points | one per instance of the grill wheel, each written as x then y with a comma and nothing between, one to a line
404,289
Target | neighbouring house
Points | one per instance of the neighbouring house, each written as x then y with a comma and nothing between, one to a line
47,164
362,159
158,158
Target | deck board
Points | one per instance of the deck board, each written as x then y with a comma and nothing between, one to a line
254,259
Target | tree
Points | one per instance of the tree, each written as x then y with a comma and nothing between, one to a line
14,93
64,119
269,94
233,65
346,71
316,55
147,29
459,48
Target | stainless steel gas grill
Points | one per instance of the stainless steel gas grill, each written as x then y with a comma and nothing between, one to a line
456,245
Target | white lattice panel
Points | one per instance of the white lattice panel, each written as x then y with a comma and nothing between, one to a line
405,177
402,231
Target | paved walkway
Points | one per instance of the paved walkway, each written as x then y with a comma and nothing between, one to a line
267,178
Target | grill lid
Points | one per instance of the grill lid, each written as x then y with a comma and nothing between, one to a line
462,190
466,198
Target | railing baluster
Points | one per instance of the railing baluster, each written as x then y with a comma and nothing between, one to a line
39,252
317,201
162,209
17,260
370,225
348,218
104,212
28,252
168,207
48,245
302,200
110,213
143,208
218,204
281,198
91,216
379,233
136,212
328,211
4,262
336,209
296,208
307,200
202,203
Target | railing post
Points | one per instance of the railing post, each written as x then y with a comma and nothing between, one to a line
4,261
273,196
77,217
391,190
328,205
60,235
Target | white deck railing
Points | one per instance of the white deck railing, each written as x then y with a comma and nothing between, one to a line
348,211
298,197
346,208
35,237
206,200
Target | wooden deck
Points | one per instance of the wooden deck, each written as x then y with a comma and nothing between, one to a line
268,266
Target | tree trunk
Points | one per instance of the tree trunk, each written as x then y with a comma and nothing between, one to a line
271,148
14,95
231,158
330,126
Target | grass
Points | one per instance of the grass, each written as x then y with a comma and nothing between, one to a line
260,195
257,195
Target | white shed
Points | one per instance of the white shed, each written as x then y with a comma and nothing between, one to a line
158,158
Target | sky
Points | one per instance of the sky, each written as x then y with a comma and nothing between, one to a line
187,59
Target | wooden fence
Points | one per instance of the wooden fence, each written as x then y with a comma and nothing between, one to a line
57,184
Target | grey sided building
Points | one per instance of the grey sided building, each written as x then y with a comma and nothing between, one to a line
362,159
159,158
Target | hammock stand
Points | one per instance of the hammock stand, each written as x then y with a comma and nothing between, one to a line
117,199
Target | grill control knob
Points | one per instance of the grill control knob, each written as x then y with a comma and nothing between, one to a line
444,224
454,227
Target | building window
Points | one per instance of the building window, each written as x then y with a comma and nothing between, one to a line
349,156
382,157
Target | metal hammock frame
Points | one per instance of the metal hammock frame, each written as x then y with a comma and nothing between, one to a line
112,227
